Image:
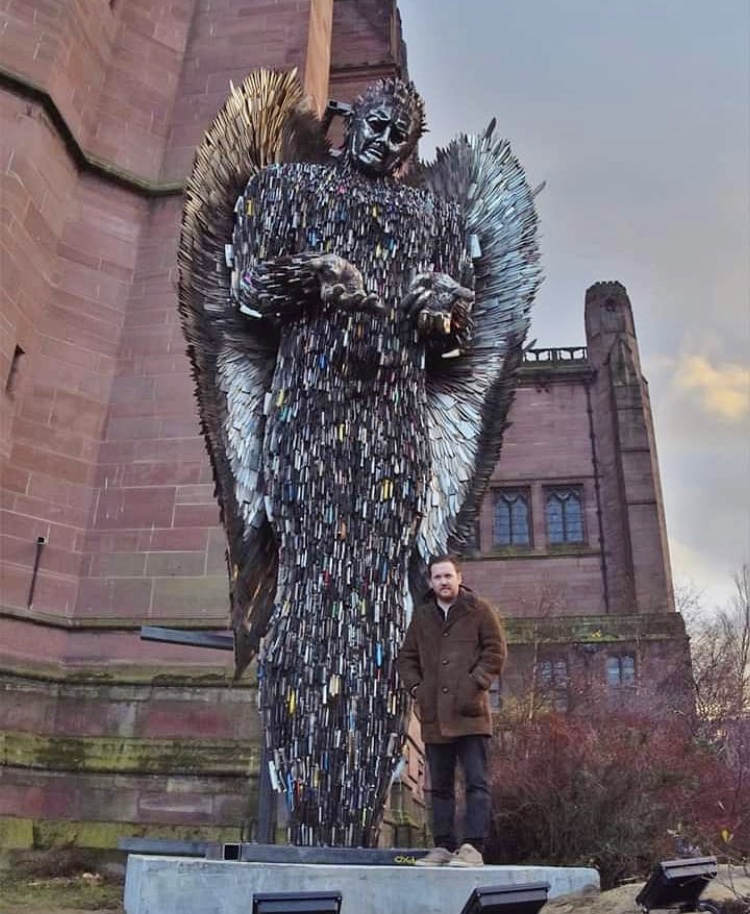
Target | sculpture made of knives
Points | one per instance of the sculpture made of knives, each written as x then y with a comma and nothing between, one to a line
354,336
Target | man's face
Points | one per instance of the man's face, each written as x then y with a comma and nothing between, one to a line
445,581
379,138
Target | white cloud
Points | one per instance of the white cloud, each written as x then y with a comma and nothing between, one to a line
723,390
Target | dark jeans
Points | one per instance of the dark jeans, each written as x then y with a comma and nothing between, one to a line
471,753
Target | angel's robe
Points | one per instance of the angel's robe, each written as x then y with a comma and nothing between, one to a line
346,468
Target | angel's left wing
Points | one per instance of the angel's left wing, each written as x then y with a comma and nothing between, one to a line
265,120
469,394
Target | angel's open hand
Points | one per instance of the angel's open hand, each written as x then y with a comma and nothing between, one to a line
438,305
284,287
341,284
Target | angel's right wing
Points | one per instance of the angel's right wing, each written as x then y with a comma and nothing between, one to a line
267,119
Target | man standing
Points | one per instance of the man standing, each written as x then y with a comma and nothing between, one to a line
453,649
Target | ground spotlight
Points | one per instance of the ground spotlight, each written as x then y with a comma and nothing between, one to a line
296,903
677,884
526,898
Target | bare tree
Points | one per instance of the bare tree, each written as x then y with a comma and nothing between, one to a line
720,648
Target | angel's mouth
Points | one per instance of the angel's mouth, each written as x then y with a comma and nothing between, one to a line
374,152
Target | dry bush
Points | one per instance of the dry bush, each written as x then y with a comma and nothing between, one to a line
616,790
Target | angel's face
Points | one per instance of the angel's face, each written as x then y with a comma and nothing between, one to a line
380,138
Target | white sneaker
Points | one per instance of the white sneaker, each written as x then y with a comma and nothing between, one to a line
466,855
438,856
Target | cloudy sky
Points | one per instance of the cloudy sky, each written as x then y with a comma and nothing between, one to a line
637,115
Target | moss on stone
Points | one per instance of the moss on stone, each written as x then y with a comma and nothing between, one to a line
181,677
16,833
594,629
27,834
105,835
128,755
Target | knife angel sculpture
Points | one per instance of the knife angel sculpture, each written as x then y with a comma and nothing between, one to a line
354,336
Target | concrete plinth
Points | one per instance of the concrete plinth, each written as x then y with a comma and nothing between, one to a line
172,885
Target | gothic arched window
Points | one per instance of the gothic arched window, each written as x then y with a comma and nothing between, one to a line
564,513
511,518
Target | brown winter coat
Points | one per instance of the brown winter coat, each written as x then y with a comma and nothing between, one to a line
449,665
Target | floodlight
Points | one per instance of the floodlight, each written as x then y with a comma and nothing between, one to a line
526,898
677,884
296,903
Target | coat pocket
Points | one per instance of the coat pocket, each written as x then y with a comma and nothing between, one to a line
426,710
471,698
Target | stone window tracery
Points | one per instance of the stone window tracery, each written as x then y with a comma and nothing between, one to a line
511,518
621,670
564,515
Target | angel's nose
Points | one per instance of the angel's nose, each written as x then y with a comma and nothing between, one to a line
388,135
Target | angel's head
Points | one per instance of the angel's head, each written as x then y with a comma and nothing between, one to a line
385,123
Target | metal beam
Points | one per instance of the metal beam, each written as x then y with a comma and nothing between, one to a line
163,847
214,641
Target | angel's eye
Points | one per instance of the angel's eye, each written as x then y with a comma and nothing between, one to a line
398,136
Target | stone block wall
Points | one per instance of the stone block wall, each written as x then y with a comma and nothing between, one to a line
656,644
581,417
91,759
548,443
604,605
69,249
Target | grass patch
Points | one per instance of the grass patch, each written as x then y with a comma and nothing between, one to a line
60,880
35,895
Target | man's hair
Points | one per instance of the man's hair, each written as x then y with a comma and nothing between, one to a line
439,559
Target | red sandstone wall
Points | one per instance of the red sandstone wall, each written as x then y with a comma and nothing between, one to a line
366,36
547,443
226,41
69,249
366,46
63,47
111,70
88,754
68,246
89,295
318,62
154,549
636,553
134,115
